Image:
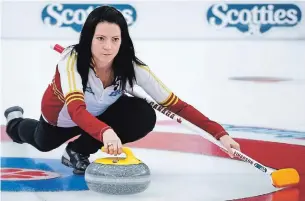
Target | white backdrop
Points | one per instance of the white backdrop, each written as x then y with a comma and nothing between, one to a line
155,20
198,70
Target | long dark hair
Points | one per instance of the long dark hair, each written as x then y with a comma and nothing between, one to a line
123,62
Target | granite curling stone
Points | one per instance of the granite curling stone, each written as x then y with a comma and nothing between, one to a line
118,176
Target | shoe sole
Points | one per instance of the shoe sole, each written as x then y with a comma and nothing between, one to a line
67,163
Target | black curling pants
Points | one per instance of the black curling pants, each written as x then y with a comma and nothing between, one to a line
130,117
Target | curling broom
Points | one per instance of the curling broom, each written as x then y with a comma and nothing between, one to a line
280,178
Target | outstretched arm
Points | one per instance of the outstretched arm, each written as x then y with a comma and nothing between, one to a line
161,94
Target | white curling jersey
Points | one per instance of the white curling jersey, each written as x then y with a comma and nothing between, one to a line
64,104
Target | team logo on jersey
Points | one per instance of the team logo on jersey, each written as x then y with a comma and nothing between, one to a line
89,90
254,18
116,87
115,93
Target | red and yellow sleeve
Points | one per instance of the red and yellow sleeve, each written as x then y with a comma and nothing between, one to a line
154,87
72,88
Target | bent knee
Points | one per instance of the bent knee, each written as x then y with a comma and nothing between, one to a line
148,118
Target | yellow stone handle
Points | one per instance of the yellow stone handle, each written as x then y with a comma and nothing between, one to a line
130,159
125,150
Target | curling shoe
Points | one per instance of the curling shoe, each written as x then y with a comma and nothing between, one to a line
13,113
75,160
10,114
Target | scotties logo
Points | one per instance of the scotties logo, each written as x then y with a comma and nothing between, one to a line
254,18
75,15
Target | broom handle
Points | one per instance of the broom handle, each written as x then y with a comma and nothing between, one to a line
205,135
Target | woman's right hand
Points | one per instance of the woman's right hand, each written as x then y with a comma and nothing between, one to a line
112,142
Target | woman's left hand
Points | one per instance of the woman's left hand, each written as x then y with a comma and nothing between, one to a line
229,143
